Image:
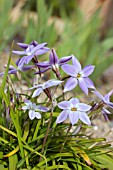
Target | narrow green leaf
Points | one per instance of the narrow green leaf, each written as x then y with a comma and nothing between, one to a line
12,162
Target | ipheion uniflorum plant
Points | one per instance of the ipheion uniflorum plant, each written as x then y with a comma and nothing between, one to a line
45,123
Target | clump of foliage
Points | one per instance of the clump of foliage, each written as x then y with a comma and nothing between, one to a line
34,133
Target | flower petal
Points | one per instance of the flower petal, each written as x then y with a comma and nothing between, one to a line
19,52
86,71
51,83
53,58
76,63
37,92
43,64
43,70
84,118
27,102
28,58
1,74
24,107
26,68
74,101
83,107
63,116
99,95
108,95
74,117
34,43
83,85
22,61
39,46
41,51
12,71
89,83
110,104
70,70
38,115
64,60
64,105
105,111
22,45
31,114
42,108
70,84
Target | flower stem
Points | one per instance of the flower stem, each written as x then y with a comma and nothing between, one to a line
46,135
65,138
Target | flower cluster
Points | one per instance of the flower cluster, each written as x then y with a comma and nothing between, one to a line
72,109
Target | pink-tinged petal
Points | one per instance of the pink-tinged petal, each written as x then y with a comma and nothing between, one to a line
76,63
74,101
89,83
31,114
99,95
62,117
43,64
110,104
53,58
64,60
22,45
24,107
37,92
64,105
74,117
70,84
38,115
19,52
84,118
42,108
108,95
69,69
83,107
86,71
51,83
83,85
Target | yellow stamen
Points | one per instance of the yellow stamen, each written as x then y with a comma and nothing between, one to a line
79,75
73,109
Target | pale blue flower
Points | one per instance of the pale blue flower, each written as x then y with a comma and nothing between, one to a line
78,76
34,109
30,51
39,88
74,110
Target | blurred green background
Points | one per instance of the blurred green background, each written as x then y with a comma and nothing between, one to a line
64,25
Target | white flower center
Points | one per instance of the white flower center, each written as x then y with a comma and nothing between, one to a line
29,53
